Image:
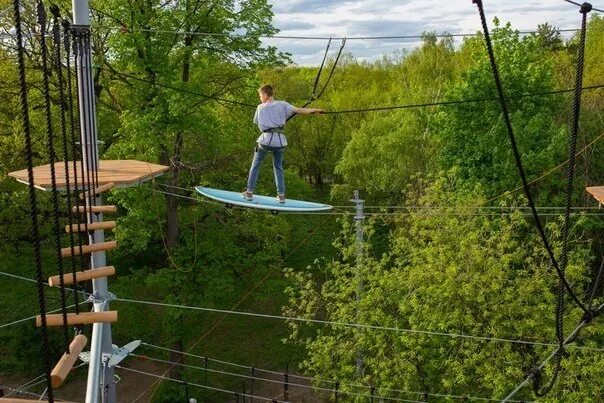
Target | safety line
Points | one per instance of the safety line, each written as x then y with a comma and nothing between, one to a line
374,109
579,4
569,339
267,399
415,207
299,385
518,158
27,385
302,37
24,392
249,292
32,317
546,173
350,325
428,213
33,204
310,379
215,98
461,101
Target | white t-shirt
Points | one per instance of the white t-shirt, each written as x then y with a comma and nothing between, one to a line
272,115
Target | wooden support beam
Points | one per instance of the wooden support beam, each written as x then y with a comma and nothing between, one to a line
105,225
101,189
15,400
84,318
94,209
55,281
95,247
67,361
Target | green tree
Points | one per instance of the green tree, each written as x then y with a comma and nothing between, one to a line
445,272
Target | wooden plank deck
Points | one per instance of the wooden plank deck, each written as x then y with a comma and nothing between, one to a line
124,173
597,192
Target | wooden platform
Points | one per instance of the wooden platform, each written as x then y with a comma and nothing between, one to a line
123,173
597,192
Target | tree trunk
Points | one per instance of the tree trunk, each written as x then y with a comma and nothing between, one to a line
172,225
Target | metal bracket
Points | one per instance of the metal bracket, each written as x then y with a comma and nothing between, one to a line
117,354
97,299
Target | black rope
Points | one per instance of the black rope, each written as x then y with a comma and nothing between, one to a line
333,69
77,57
82,89
56,34
315,96
33,203
124,29
184,91
88,146
92,97
518,158
318,77
581,5
462,101
570,172
376,109
53,158
596,284
73,141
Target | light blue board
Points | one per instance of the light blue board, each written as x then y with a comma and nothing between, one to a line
261,202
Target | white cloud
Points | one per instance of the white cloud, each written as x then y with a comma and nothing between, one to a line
404,17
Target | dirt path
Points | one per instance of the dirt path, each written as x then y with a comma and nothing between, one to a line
133,386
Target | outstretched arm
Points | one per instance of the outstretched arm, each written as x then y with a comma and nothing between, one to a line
308,111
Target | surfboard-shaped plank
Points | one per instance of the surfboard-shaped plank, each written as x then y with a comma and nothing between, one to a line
261,202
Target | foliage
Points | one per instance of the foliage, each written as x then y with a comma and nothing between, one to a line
442,264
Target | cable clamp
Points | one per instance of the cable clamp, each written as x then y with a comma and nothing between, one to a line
589,316
101,299
535,375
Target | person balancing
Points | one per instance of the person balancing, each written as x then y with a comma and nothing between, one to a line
270,117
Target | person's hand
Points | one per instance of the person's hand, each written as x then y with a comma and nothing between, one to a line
318,111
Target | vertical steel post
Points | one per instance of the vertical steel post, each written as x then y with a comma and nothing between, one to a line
286,383
253,371
101,343
359,218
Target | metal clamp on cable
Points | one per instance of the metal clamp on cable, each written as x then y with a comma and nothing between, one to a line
97,299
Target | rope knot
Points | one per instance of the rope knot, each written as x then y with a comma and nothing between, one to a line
589,316
54,10
586,8
535,375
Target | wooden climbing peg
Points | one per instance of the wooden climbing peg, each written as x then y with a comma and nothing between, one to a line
67,361
55,281
84,318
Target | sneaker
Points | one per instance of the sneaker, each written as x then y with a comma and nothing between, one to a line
281,198
247,195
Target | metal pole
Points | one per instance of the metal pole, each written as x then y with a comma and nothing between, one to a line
253,370
359,218
101,343
285,383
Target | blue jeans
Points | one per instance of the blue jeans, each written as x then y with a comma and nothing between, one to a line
259,156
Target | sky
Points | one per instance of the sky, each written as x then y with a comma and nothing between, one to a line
400,17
